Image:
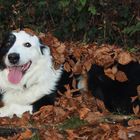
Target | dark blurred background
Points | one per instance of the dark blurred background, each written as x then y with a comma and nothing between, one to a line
103,21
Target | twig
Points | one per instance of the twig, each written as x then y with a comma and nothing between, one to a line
6,131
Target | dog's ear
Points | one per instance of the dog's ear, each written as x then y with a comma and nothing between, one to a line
42,48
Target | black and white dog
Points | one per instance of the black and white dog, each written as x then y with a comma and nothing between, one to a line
27,75
28,79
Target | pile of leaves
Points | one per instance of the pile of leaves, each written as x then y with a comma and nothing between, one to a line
81,116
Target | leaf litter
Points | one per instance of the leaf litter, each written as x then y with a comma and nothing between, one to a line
80,117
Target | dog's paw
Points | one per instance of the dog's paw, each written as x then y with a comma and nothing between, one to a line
18,110
4,112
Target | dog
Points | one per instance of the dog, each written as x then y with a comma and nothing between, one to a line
28,79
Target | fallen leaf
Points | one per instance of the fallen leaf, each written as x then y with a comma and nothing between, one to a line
61,48
71,135
25,135
67,67
122,135
93,117
87,65
121,76
83,112
108,72
134,122
136,109
138,90
124,58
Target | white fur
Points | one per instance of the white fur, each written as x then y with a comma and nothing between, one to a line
40,79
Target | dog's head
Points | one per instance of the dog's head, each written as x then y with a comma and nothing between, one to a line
19,51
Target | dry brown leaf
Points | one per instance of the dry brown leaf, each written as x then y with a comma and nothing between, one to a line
1,138
77,69
93,117
74,83
71,135
138,90
108,72
124,58
105,127
83,112
103,56
61,48
122,135
68,91
26,135
114,69
60,114
136,109
87,65
71,62
77,53
134,122
121,76
134,128
101,105
67,67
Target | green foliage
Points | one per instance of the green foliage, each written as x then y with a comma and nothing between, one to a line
131,30
92,10
35,137
103,21
72,123
83,2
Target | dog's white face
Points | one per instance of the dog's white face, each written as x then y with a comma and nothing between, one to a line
20,51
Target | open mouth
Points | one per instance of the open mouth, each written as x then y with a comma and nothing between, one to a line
16,72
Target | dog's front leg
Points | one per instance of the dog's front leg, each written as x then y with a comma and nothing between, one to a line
11,109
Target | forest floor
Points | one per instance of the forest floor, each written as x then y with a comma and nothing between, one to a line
81,117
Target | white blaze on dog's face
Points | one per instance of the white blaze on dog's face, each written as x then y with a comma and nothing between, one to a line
23,50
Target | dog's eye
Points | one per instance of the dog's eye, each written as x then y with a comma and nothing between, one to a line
27,44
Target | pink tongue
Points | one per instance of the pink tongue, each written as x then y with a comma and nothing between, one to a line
15,75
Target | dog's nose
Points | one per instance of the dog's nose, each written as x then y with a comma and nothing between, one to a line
13,58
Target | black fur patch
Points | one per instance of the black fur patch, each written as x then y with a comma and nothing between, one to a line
116,95
7,43
42,49
46,100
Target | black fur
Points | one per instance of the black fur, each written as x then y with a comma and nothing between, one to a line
42,49
46,100
116,95
7,43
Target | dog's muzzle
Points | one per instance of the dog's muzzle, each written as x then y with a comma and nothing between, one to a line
16,73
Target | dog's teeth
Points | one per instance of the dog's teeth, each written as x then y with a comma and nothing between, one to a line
22,68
